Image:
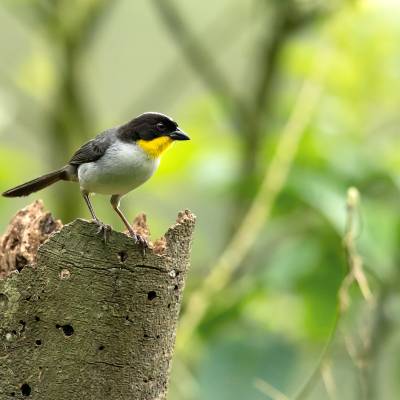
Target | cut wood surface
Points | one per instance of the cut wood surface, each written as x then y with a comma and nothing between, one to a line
81,319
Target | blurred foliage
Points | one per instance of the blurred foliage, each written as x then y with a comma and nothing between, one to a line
230,72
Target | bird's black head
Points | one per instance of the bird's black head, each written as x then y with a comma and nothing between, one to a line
150,126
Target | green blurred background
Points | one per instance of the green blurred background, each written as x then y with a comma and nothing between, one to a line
231,72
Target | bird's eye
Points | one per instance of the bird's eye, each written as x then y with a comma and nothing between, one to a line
161,127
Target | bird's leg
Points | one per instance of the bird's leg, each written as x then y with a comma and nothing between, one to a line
115,201
103,228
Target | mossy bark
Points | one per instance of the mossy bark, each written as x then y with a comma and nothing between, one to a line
91,320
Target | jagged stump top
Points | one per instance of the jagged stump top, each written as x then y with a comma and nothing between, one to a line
89,320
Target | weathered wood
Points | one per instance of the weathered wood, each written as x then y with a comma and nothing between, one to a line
29,228
93,320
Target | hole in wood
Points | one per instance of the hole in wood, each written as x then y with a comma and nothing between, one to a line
67,329
20,262
151,295
123,256
38,342
26,389
37,319
101,347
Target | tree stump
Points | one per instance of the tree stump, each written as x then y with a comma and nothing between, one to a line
88,320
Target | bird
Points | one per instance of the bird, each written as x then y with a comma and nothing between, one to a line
114,163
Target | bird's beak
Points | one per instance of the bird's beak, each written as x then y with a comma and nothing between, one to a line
178,135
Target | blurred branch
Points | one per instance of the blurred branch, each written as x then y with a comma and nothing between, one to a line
198,57
91,22
354,274
354,260
309,384
34,13
269,390
354,355
329,381
68,118
49,16
264,69
223,29
258,214
381,326
376,335
269,56
287,17
281,19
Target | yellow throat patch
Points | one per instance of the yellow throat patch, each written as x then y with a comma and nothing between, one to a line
154,148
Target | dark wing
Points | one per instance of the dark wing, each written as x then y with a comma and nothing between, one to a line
94,149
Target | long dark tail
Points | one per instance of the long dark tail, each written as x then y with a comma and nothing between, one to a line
37,184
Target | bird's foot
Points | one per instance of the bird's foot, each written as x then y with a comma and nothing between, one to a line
140,240
103,229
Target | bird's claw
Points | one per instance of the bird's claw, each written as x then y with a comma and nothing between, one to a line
141,241
103,229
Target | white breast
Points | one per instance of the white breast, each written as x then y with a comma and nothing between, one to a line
123,167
